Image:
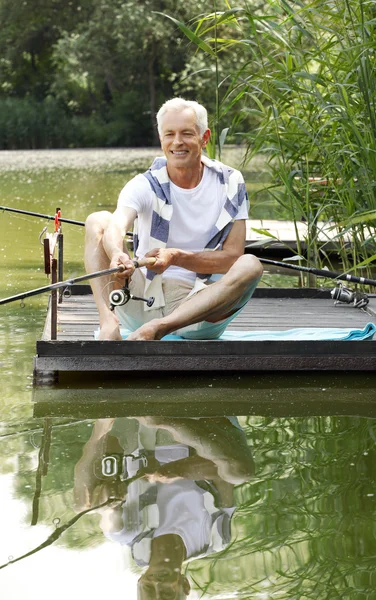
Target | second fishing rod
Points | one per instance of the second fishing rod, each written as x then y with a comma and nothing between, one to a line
313,270
57,218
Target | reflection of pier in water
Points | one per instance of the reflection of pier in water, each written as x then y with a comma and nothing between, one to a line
163,487
270,529
179,395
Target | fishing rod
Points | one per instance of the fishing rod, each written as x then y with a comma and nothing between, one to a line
58,532
42,216
62,528
144,262
321,272
56,218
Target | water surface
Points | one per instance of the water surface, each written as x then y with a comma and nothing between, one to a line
274,475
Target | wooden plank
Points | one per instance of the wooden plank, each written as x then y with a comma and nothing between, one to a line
213,348
279,362
81,291
309,313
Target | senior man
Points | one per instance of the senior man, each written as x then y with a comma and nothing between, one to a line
188,213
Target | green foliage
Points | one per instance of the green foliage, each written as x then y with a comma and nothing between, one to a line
107,66
303,527
295,81
28,33
307,81
27,123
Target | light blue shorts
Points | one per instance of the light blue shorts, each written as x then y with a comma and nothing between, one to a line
204,330
132,315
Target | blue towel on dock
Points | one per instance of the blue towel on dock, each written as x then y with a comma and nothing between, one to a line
302,333
305,333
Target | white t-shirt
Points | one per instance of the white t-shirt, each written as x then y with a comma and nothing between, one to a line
195,212
184,512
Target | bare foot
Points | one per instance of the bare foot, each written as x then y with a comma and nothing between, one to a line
149,331
110,329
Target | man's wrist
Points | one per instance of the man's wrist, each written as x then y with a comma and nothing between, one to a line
175,256
117,253
114,256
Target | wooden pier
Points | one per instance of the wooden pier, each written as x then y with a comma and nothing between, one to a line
75,351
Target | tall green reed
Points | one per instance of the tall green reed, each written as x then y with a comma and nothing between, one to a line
305,98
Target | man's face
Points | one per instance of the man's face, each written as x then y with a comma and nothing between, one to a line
181,140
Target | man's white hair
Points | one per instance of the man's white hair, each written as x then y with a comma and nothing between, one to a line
179,104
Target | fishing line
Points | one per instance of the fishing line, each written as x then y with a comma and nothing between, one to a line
324,273
112,283
17,216
40,429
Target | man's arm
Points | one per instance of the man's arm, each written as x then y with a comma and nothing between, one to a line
195,468
217,261
113,239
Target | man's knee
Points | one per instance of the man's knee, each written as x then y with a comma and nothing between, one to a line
97,222
237,471
248,268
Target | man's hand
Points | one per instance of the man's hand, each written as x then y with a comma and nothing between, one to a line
122,258
191,467
165,257
216,261
87,496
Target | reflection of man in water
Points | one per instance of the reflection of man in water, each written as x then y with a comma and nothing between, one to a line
181,507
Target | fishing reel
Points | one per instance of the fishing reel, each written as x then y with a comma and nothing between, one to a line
122,296
342,295
116,466
110,466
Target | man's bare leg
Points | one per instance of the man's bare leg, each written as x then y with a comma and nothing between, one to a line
214,303
96,259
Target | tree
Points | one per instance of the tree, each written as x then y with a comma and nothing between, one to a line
28,32
123,61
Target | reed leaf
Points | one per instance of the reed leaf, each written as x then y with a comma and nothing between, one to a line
190,35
